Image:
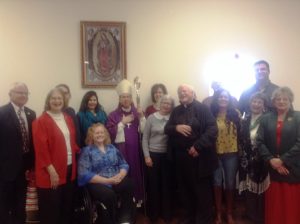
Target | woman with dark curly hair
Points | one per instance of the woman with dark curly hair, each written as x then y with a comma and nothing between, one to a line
90,112
228,121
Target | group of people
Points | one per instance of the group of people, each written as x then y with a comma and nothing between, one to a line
57,146
203,152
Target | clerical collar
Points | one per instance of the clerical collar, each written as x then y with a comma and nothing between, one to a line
126,109
188,105
161,117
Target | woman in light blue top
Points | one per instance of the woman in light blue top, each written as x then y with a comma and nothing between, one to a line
90,112
103,170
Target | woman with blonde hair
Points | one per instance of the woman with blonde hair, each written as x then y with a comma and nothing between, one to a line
278,142
55,164
102,168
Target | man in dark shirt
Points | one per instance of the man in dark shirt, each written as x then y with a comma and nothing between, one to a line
192,134
263,85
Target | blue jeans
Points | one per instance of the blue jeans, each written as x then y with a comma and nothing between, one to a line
226,173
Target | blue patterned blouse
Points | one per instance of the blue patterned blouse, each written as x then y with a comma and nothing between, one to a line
94,162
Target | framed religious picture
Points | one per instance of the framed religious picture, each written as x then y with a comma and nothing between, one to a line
103,53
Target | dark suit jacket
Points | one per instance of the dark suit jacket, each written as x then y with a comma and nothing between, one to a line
12,159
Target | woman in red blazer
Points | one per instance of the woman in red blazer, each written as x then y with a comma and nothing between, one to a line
55,149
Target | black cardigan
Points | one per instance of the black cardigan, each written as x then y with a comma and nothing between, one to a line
289,149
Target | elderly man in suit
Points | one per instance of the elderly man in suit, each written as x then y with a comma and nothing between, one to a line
16,154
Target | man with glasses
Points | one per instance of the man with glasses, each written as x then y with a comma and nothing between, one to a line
16,154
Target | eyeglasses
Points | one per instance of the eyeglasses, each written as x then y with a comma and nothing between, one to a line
21,93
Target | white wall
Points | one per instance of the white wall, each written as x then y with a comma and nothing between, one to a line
168,41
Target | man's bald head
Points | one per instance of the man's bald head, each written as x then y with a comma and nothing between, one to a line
18,93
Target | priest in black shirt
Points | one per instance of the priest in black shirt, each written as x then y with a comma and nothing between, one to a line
192,132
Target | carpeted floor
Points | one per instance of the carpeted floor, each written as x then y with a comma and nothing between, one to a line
142,219
238,215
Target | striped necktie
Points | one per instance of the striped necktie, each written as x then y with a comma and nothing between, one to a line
25,139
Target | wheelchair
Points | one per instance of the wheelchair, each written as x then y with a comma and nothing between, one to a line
83,211
89,211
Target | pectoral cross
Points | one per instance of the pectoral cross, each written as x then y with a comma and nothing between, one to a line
128,125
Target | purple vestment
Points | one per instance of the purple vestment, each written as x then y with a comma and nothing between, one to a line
130,149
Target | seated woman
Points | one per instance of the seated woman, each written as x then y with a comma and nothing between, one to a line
103,170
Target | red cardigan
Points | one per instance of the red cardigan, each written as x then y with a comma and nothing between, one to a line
50,148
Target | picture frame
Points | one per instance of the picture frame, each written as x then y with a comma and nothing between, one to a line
103,53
